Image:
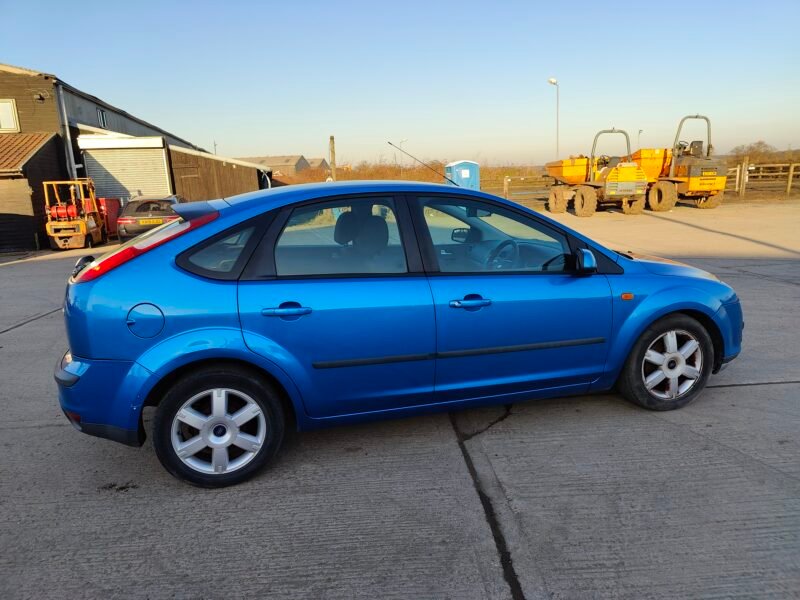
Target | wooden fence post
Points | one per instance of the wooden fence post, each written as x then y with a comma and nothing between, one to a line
791,177
332,149
743,178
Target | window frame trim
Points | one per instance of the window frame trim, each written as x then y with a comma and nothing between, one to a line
270,239
14,115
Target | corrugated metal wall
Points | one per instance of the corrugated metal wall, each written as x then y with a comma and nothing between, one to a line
128,172
207,178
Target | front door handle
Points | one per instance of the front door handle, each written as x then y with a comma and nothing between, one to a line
470,302
286,309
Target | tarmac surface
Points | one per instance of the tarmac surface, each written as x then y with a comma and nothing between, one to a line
583,497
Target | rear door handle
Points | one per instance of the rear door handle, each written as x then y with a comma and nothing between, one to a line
287,309
470,303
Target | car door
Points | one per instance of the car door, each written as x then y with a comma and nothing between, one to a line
512,316
336,295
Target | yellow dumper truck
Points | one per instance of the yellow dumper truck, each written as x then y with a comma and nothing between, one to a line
594,180
687,171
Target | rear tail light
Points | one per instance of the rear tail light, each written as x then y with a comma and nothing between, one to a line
139,246
126,221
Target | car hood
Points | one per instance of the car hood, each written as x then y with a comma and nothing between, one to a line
665,266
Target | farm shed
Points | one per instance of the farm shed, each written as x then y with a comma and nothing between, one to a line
318,163
124,166
26,160
281,165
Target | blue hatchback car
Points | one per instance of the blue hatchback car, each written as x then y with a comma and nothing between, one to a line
316,305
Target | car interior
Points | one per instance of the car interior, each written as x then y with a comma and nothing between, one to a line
139,207
467,239
358,238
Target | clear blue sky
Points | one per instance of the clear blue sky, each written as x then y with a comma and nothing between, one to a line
457,79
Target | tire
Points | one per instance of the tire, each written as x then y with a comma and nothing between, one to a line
585,202
557,202
650,385
662,196
216,395
88,241
634,205
710,201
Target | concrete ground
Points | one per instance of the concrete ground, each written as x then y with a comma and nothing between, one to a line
585,497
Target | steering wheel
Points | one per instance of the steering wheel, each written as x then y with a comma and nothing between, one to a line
504,255
683,145
603,160
550,261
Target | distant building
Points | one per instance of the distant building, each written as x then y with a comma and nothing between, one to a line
318,163
50,130
281,165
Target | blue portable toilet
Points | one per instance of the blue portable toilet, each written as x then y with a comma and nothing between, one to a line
466,173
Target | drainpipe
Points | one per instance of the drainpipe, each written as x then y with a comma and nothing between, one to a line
62,113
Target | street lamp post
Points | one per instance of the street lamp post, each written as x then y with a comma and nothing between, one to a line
554,81
639,138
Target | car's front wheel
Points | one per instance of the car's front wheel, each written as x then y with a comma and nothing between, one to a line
218,426
669,365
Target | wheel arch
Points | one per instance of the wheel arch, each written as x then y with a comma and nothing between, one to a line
634,325
169,379
714,332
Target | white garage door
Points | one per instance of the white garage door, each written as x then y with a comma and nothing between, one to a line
127,172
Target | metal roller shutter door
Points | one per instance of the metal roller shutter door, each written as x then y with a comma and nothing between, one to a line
128,172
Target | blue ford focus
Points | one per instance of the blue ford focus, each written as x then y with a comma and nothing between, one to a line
316,305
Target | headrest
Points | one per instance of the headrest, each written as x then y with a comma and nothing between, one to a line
346,228
372,236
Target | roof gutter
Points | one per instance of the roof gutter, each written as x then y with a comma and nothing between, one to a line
62,114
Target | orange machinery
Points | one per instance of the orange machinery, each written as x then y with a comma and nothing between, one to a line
74,219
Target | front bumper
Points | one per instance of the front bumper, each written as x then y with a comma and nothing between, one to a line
731,323
101,397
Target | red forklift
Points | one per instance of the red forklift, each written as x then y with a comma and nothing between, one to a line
74,218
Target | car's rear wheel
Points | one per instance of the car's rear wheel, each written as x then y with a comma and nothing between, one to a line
669,364
218,426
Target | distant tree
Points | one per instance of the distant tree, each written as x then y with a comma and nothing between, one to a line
757,151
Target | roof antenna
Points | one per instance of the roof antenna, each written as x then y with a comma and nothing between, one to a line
423,164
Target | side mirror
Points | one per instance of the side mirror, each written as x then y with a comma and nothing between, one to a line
460,234
585,262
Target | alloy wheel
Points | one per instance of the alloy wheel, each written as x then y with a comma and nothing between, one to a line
672,365
218,431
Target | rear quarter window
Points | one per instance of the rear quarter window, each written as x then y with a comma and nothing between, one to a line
224,255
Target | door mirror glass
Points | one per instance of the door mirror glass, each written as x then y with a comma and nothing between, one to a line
460,235
585,262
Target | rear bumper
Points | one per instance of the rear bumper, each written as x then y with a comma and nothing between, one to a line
101,397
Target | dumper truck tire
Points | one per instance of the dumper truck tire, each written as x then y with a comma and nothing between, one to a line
557,201
585,201
662,196
710,201
633,205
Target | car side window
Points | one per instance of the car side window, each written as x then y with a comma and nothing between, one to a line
471,236
222,255
351,236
